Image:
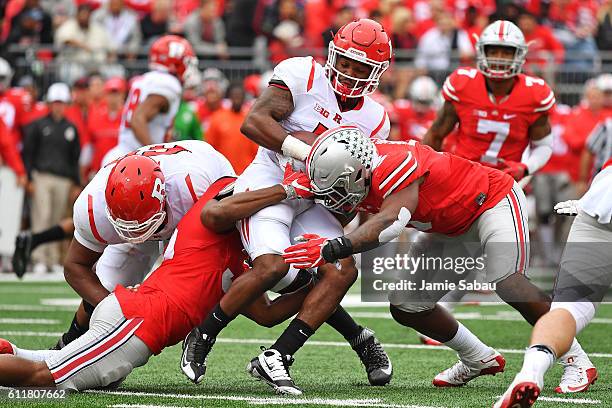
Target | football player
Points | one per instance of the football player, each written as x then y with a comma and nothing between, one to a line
500,112
128,327
454,200
415,116
154,97
302,96
584,278
124,213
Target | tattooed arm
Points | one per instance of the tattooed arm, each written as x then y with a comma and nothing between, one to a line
261,124
443,124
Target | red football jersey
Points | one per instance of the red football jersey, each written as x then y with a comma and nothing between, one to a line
454,193
103,127
179,294
412,123
489,129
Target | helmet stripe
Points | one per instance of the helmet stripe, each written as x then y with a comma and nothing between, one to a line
501,30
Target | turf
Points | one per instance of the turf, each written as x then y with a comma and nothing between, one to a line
327,370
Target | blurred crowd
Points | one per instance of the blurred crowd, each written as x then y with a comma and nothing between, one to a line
82,110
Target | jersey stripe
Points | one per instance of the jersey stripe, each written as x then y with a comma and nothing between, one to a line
401,180
286,88
550,96
397,170
446,88
405,169
190,188
547,107
92,221
311,76
380,125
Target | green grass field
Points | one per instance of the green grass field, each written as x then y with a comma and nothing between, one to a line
327,369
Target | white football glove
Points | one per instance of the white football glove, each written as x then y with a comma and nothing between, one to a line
569,208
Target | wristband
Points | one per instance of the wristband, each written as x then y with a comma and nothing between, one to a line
337,248
295,148
290,191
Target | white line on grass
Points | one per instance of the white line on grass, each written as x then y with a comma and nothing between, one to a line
73,301
144,406
36,308
308,343
270,401
8,320
38,289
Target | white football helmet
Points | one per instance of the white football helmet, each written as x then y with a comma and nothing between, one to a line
506,34
6,74
339,166
423,90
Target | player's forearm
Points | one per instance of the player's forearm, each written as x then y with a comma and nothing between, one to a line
85,282
367,236
222,215
267,132
140,127
433,139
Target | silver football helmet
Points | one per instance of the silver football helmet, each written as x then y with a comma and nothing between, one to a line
505,34
339,166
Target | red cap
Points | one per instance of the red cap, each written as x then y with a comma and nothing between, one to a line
115,84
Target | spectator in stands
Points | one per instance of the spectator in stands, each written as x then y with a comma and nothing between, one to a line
157,22
436,47
31,26
574,24
104,121
51,156
121,25
241,22
214,85
344,16
187,125
9,155
286,41
603,36
544,49
96,89
403,37
81,40
224,131
206,31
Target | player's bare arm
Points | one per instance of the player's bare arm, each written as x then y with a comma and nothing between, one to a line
540,128
389,222
78,271
221,216
269,313
144,113
445,122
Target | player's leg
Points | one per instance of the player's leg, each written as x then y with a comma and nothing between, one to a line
121,264
41,213
26,242
506,240
104,355
318,220
585,271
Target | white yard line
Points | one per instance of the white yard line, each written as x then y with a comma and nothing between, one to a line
308,343
265,401
36,308
8,320
71,301
145,406
36,289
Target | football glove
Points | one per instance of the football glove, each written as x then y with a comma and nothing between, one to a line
515,169
296,184
314,251
569,208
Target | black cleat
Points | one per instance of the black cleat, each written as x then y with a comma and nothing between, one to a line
21,256
196,348
271,367
373,357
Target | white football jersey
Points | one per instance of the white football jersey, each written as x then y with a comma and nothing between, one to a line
316,107
597,201
189,168
151,83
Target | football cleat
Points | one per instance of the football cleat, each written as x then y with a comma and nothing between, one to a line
6,347
578,375
273,368
373,357
464,371
196,348
428,341
522,393
21,256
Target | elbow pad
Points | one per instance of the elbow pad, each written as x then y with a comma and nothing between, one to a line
394,230
539,153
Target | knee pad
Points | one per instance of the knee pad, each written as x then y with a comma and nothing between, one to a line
582,312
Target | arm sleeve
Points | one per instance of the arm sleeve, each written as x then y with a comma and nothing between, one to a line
167,86
82,229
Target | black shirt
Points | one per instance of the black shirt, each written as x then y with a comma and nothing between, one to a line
52,147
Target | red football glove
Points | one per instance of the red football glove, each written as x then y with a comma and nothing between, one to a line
296,184
308,253
517,170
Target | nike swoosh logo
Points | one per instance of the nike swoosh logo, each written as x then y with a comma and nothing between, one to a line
506,117
184,361
387,370
301,332
215,316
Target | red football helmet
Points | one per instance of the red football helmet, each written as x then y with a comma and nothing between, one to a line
135,198
365,41
173,54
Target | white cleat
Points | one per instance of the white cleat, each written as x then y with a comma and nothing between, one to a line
522,393
273,368
464,371
578,375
